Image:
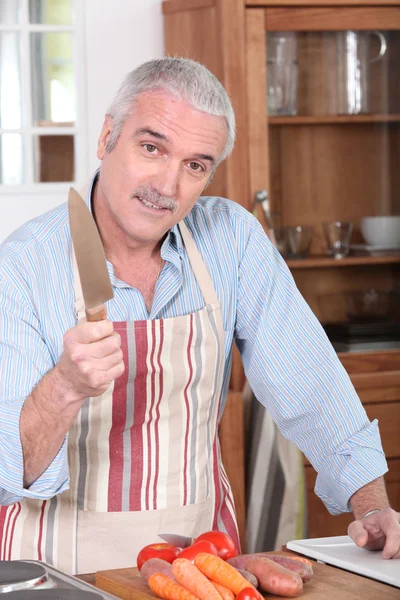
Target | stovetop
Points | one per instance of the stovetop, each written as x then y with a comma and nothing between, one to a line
21,579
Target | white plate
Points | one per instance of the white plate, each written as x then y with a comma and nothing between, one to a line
341,551
368,248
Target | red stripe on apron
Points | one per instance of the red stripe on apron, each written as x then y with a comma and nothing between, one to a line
4,510
157,440
7,542
217,503
140,329
152,403
39,548
116,440
188,419
12,530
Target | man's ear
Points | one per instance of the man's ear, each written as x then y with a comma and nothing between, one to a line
104,136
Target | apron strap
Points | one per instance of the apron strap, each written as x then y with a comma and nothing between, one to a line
198,266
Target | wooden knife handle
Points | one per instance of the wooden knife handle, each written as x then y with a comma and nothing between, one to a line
98,313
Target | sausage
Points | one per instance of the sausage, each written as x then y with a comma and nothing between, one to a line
274,578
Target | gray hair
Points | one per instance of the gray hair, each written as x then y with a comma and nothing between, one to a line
184,79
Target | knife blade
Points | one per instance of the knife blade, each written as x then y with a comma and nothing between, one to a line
90,258
182,541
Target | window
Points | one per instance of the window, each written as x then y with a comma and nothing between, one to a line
40,83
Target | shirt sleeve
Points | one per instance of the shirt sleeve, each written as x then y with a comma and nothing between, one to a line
24,359
295,373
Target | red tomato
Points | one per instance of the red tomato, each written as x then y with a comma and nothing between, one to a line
192,551
248,594
164,551
223,543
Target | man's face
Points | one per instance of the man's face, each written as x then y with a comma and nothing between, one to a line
159,166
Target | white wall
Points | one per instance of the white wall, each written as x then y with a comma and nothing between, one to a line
118,36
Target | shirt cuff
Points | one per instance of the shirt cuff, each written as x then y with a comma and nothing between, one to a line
53,481
356,462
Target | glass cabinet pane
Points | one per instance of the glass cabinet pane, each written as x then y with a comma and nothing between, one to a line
11,159
333,73
50,12
9,12
333,102
53,158
10,81
53,82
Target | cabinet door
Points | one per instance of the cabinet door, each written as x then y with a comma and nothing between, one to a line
324,114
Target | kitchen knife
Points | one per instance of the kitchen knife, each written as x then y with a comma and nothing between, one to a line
182,541
90,258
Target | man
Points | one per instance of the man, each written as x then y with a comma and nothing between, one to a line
108,430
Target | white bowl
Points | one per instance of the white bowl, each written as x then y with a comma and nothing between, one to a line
381,231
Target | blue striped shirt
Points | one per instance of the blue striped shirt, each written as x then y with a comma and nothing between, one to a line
289,362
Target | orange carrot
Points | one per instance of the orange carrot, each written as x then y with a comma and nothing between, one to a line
191,578
221,572
223,591
167,588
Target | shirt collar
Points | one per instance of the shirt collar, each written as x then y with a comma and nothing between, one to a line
172,243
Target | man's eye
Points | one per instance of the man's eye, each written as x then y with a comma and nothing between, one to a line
150,148
195,166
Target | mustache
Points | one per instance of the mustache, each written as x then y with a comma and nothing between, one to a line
150,195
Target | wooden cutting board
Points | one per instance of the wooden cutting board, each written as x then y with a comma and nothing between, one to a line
328,583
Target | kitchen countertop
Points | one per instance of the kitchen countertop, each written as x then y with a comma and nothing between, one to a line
328,583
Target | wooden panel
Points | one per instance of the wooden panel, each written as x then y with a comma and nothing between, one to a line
302,3
331,19
231,33
323,175
362,381
320,287
194,34
321,523
231,434
385,394
328,583
257,103
169,6
388,416
371,362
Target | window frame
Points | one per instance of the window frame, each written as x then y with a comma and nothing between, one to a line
27,130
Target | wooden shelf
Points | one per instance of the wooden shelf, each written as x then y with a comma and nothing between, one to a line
315,262
333,119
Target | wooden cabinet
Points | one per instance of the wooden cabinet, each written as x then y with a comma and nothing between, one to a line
317,165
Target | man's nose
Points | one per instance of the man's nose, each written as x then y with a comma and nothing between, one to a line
166,181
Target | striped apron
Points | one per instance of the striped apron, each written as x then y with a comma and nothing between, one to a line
144,458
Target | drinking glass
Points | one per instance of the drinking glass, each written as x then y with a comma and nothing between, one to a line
282,72
337,235
299,240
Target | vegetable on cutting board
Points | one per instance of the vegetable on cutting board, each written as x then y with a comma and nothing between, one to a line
192,551
167,588
274,578
156,565
222,541
164,551
301,567
193,579
221,572
252,579
224,592
248,594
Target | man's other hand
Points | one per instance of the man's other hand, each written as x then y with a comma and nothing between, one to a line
380,531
